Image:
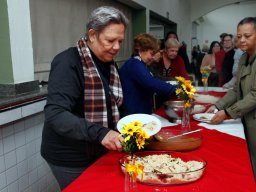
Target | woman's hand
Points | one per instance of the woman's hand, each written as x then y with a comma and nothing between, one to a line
218,117
112,141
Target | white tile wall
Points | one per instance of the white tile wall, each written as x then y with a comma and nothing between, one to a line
31,148
2,164
11,175
8,143
2,180
21,112
30,134
32,176
1,146
19,126
20,138
10,116
9,130
10,159
32,163
4,190
21,153
32,108
23,182
14,187
22,169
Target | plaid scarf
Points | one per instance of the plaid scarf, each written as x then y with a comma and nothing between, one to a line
94,93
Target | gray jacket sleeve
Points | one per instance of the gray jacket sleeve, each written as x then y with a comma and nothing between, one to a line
242,99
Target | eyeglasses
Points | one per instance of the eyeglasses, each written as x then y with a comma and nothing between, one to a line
152,53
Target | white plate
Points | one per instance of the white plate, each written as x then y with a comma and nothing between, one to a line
143,118
203,117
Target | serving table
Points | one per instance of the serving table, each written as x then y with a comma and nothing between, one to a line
228,168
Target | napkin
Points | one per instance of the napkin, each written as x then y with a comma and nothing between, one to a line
231,126
164,122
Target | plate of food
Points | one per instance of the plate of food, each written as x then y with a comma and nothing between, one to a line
166,168
150,124
203,117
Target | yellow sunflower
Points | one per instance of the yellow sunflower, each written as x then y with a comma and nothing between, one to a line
178,91
187,104
180,79
129,129
137,124
185,91
140,138
135,169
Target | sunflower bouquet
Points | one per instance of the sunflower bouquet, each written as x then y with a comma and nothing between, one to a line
185,91
205,71
135,138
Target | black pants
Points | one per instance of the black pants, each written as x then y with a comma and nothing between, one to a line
65,175
213,80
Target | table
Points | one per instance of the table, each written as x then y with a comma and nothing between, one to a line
228,168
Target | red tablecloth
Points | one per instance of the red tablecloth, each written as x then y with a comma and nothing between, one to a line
228,168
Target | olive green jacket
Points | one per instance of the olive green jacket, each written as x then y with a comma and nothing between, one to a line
241,101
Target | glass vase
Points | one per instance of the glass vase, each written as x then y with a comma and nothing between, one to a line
130,184
205,83
185,122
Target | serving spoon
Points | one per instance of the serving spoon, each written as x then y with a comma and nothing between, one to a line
159,138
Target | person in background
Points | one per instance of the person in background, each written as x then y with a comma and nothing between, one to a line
209,61
84,96
153,67
182,50
171,64
197,57
240,102
139,85
221,38
205,48
237,55
228,61
224,60
158,56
